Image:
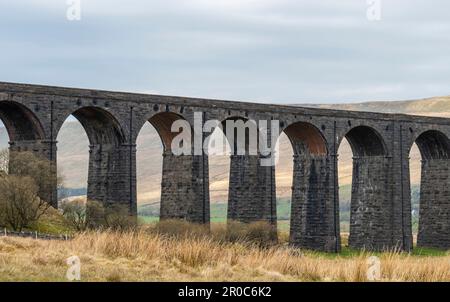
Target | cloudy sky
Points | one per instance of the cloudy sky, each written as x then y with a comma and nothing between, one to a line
279,51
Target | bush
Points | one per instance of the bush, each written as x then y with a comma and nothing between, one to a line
53,222
26,182
259,232
113,216
40,169
117,217
75,213
180,228
20,205
95,215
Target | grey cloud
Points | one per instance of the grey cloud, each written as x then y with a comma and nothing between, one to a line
271,50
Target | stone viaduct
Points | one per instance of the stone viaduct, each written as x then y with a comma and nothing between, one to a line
380,202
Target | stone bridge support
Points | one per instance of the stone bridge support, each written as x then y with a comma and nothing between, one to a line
313,214
371,206
112,175
251,194
434,213
185,188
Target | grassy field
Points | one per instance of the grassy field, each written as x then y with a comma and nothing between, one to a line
147,255
150,213
219,214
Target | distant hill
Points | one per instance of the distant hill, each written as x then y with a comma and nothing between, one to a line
436,106
73,152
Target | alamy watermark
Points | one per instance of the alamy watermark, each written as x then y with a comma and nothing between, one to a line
373,12
73,12
74,271
374,269
244,137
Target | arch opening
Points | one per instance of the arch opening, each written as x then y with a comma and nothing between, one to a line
149,161
365,141
284,182
433,145
345,177
415,171
82,142
100,126
305,139
4,144
433,227
20,123
251,196
72,160
298,142
362,203
226,151
219,152
153,141
26,134
245,137
162,123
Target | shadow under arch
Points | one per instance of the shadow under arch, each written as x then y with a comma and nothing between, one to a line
100,125
366,141
20,122
370,221
434,203
433,144
306,138
163,122
245,137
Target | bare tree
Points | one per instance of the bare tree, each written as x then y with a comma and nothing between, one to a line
95,215
42,170
25,180
118,217
75,213
20,205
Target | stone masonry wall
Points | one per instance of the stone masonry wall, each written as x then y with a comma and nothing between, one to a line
111,175
434,221
371,208
185,188
313,209
251,194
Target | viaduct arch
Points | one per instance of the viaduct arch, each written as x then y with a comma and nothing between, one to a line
380,202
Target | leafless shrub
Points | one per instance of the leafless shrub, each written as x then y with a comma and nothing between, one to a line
20,205
75,213
112,216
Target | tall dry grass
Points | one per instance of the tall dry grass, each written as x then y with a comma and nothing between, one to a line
197,255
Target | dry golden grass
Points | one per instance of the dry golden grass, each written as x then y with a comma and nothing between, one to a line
154,256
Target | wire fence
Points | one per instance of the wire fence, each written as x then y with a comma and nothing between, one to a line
34,235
